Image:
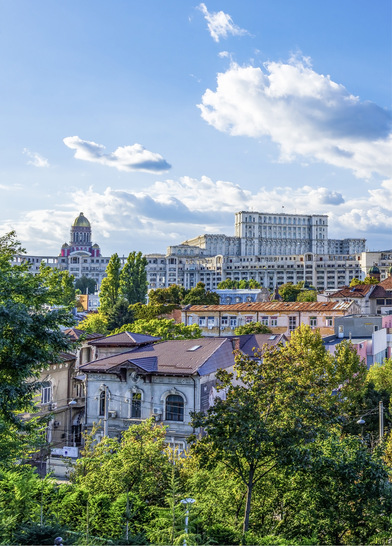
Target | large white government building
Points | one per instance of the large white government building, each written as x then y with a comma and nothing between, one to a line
270,248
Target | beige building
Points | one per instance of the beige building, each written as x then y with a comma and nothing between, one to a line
280,317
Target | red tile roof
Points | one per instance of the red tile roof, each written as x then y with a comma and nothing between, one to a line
274,306
347,292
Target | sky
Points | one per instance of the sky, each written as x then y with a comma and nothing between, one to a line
160,120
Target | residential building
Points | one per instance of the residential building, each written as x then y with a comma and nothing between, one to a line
370,335
166,380
280,317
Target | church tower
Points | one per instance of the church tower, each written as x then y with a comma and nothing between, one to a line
80,242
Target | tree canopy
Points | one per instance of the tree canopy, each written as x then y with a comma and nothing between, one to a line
280,401
252,328
30,331
200,296
86,285
133,278
110,286
163,328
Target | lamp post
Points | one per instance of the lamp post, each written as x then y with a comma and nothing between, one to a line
187,502
362,421
71,404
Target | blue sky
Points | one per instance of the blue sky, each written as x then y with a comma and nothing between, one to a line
160,120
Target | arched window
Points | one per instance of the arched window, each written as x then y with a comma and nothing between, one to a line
136,405
46,392
174,408
102,403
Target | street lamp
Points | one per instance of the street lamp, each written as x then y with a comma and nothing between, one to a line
361,420
187,502
71,404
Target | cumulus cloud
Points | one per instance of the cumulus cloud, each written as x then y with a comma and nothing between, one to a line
171,211
305,113
35,159
124,158
220,24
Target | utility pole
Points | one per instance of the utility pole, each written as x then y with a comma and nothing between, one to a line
106,413
381,419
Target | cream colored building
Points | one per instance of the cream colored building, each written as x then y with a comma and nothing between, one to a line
280,317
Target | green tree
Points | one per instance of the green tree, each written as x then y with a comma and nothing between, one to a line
151,310
341,496
95,323
30,333
109,293
289,291
119,315
60,285
381,375
252,328
307,295
163,328
133,278
276,406
200,296
86,285
228,284
174,294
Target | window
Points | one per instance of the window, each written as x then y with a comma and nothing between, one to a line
174,408
202,321
292,323
46,392
225,321
102,403
136,405
379,302
211,322
313,322
233,322
328,321
274,321
264,320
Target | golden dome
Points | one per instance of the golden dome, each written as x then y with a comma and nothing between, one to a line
81,221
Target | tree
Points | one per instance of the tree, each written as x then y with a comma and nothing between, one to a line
163,328
200,296
110,285
95,323
289,291
60,285
151,310
174,294
133,278
86,285
381,375
119,315
277,405
307,295
30,332
252,328
228,284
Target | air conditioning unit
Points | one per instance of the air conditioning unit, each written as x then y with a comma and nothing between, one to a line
52,406
157,411
112,414
157,416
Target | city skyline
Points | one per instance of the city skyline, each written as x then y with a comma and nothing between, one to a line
160,121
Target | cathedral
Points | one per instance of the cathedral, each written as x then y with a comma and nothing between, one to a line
80,243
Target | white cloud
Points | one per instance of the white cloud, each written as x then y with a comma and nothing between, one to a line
35,159
124,158
220,24
305,113
169,212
